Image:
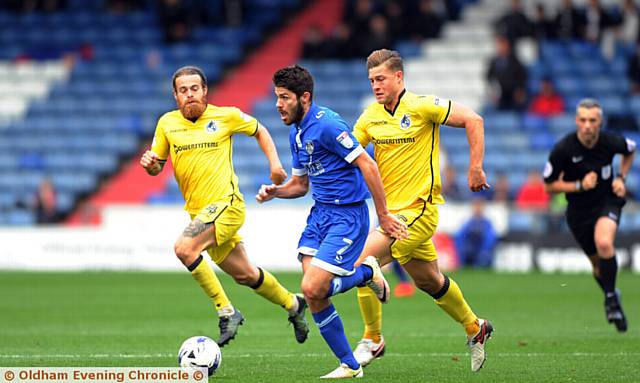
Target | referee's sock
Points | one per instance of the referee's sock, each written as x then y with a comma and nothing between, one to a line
599,281
608,272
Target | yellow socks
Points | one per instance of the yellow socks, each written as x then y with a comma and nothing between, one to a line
450,299
206,278
269,288
371,310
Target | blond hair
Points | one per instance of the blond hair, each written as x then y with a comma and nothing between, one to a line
385,56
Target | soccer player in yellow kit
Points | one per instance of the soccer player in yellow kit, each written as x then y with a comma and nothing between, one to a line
404,129
198,137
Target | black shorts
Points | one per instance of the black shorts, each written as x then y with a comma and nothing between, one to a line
582,222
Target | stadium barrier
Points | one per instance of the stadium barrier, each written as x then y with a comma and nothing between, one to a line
141,237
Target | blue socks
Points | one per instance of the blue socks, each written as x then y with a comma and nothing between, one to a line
341,284
332,331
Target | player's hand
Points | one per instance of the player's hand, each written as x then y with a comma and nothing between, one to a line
149,160
618,187
590,181
278,175
393,226
477,180
266,193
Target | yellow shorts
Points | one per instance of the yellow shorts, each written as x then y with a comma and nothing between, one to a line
422,220
228,219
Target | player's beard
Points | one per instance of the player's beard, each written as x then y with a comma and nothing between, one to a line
193,109
299,113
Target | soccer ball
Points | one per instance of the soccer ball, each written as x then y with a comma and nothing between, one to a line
200,352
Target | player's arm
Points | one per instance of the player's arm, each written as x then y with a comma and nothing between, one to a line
153,160
151,163
278,175
588,182
297,186
462,116
554,175
618,184
388,222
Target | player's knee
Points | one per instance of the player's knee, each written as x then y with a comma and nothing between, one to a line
185,252
312,291
604,247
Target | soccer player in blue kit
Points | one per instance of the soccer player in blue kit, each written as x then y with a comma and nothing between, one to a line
327,155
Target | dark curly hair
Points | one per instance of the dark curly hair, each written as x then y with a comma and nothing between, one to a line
294,78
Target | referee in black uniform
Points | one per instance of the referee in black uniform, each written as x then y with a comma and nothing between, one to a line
580,165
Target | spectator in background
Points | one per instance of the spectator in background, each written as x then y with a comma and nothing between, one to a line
313,44
176,19
514,24
569,22
547,103
123,6
27,6
378,36
502,189
45,204
507,77
630,27
542,26
425,22
396,17
597,19
532,194
450,189
341,44
476,240
633,71
358,16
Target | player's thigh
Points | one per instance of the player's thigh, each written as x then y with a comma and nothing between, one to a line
378,244
582,227
422,222
227,220
344,240
196,237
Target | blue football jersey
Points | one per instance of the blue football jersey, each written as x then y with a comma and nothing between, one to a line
323,148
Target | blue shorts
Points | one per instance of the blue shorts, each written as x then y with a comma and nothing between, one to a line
335,236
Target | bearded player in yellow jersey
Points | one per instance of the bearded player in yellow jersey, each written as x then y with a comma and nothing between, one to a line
404,130
198,137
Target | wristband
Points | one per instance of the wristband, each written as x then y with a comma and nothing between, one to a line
578,186
624,179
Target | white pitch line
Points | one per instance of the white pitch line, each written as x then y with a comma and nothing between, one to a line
312,355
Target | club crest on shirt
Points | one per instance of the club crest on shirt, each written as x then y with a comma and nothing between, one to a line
405,122
345,140
211,127
606,172
308,146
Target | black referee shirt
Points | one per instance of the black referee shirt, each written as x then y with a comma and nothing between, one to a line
575,160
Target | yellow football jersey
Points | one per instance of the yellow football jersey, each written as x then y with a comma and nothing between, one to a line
406,143
201,153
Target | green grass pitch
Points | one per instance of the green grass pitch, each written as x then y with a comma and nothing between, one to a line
549,328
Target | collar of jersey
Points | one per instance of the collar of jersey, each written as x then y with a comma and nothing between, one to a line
307,118
392,112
